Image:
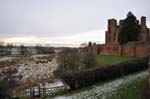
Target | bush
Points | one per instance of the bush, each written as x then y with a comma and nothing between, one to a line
89,60
4,89
91,76
71,60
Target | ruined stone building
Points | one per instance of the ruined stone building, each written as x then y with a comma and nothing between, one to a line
139,48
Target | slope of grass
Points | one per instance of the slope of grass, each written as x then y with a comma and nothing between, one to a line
127,87
109,59
132,90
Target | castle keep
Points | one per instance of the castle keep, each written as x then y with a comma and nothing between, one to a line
140,48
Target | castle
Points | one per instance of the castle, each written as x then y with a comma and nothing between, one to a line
140,48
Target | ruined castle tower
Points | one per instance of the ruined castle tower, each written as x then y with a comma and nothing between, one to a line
139,48
144,33
112,32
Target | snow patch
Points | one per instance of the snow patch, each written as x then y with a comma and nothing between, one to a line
6,58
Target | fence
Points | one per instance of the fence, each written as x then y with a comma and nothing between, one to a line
43,92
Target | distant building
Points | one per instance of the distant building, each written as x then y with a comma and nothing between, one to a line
139,48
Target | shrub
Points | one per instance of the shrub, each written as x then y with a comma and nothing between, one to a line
69,61
88,77
4,89
89,60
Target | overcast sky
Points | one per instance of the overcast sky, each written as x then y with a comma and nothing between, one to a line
63,21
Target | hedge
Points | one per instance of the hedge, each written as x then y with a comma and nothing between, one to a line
88,77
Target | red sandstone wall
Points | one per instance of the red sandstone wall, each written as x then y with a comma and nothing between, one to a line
90,49
95,49
142,51
110,49
129,50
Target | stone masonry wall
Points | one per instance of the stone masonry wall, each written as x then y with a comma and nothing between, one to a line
129,49
110,49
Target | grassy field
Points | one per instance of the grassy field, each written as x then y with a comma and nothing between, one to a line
109,59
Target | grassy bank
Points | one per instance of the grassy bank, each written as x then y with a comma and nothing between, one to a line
109,59
132,90
127,87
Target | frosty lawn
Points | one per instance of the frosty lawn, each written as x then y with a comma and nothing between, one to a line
127,87
109,59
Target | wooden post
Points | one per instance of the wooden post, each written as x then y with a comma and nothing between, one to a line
39,91
31,93
44,93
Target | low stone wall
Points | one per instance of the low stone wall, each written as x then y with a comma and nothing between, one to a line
136,49
111,49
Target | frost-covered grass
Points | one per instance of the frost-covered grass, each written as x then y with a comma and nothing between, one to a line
109,59
132,90
6,58
28,71
128,87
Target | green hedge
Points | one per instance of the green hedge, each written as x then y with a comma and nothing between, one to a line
100,74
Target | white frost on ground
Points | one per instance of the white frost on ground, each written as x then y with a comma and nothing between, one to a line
58,83
30,70
39,55
103,90
6,58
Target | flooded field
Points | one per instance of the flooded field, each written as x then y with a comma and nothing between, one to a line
127,87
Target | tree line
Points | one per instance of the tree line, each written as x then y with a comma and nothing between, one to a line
9,48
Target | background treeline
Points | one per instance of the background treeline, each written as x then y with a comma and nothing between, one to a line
5,49
10,49
88,77
44,50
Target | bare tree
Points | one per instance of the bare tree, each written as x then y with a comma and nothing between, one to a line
69,60
23,50
2,47
8,48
